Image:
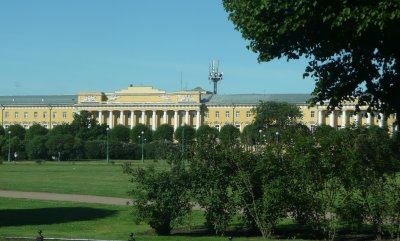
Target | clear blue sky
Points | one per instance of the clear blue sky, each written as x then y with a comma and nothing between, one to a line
72,46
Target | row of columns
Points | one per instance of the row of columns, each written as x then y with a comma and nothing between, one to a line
143,118
344,119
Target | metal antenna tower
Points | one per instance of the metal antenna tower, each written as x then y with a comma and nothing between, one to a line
215,75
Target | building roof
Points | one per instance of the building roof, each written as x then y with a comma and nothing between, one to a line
254,98
39,100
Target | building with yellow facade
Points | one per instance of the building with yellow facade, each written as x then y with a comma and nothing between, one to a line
153,107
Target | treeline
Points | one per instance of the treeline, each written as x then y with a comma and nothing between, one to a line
327,181
84,138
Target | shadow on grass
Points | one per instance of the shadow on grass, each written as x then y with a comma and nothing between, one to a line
20,217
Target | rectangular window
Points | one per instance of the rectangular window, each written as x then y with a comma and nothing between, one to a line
194,114
312,114
217,126
312,128
64,115
26,115
6,114
35,115
227,114
206,114
54,115
217,114
247,114
16,115
45,115
237,114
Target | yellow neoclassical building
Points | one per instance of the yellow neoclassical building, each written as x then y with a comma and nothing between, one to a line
154,107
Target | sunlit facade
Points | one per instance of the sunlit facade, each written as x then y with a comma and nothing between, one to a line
153,107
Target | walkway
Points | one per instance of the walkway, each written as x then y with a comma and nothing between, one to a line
65,197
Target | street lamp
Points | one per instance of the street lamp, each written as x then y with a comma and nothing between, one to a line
9,146
108,156
142,146
259,138
277,137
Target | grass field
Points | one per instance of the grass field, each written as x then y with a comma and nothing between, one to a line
86,177
21,217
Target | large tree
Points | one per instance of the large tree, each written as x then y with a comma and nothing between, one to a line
351,45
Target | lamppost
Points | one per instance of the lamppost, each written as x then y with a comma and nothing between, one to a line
9,146
259,138
108,156
142,137
277,137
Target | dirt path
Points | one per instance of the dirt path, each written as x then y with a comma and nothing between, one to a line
65,197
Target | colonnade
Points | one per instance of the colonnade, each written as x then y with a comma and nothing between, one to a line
345,118
158,117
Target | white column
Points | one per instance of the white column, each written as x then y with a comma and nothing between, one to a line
154,119
176,120
369,119
344,119
332,119
143,117
110,124
381,120
320,117
165,117
121,117
100,117
187,117
132,118
197,119
356,117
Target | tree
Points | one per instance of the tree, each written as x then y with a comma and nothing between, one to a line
206,134
35,130
137,131
164,132
161,198
350,45
120,133
275,114
61,146
82,125
36,148
185,133
249,135
17,130
2,131
229,135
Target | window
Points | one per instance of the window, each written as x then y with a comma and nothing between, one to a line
206,114
247,114
312,114
183,113
237,114
26,115
194,114
312,128
217,114
45,115
238,126
64,115
35,115
54,115
16,115
227,114
26,126
351,114
217,126
6,114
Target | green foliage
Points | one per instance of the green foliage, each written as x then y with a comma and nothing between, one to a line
2,131
119,133
161,197
164,132
278,114
95,149
206,134
85,126
63,129
12,145
185,133
36,148
17,130
249,135
136,132
350,45
35,130
229,135
60,146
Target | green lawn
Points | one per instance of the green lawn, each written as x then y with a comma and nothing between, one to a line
91,178
21,217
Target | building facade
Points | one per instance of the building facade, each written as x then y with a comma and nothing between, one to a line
153,107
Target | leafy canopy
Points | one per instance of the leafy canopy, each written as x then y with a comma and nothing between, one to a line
352,45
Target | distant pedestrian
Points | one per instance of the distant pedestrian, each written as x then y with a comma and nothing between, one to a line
131,237
40,236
